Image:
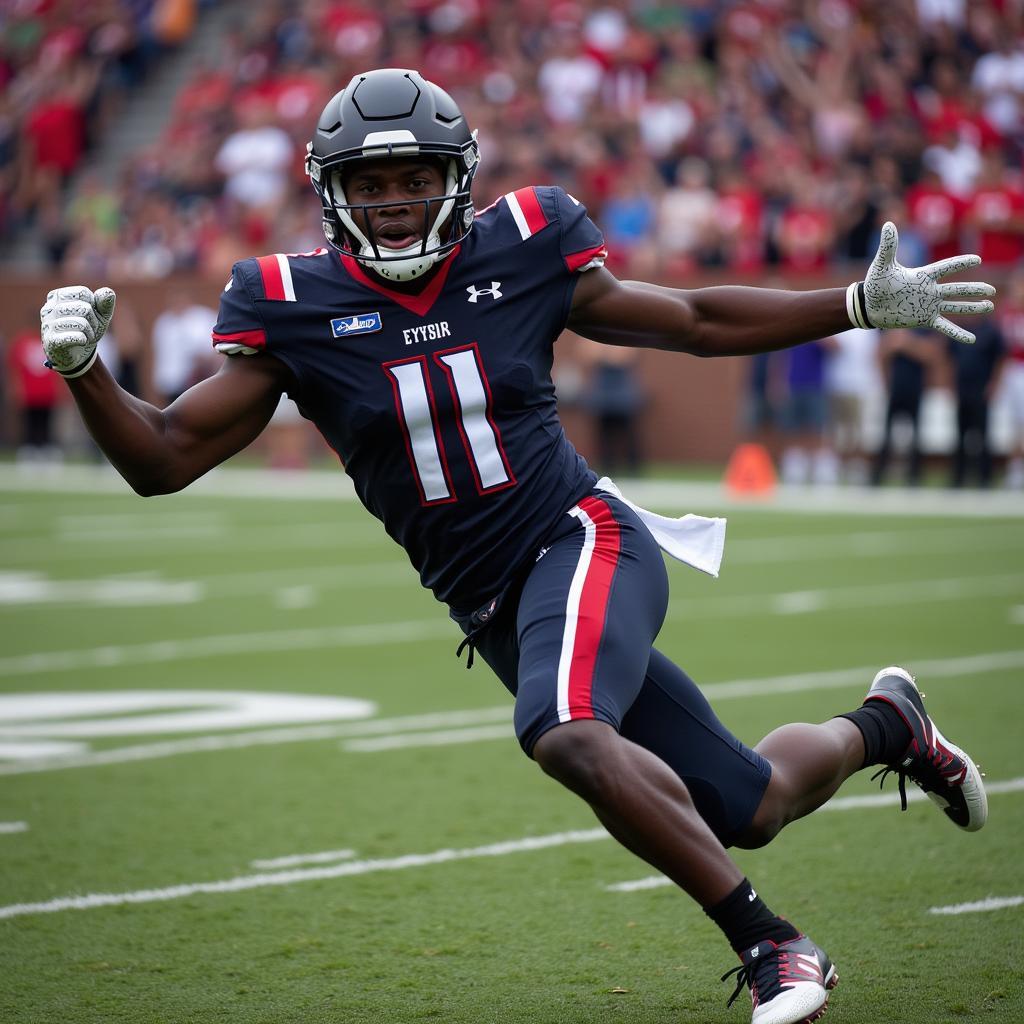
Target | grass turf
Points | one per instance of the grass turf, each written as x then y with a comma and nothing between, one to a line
528,936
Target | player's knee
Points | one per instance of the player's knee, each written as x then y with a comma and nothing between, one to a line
578,755
768,821
758,834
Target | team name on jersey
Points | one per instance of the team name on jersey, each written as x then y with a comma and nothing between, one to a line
428,332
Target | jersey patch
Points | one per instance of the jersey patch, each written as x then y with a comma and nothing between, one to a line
361,323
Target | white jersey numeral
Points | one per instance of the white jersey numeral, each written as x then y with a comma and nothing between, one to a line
417,412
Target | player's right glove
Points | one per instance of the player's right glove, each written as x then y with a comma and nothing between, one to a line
896,296
72,321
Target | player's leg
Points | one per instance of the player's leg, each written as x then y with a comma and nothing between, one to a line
586,617
789,976
891,729
808,763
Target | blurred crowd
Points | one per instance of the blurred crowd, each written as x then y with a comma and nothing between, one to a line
66,70
741,134
766,139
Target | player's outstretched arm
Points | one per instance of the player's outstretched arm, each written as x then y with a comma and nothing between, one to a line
156,450
739,320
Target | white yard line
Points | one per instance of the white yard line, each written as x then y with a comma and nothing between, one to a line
639,884
868,544
321,638
295,859
261,738
852,803
428,726
23,590
10,827
860,596
786,603
989,903
324,536
736,689
438,738
666,495
855,803
925,668
348,869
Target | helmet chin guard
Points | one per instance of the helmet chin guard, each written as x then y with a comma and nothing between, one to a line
393,112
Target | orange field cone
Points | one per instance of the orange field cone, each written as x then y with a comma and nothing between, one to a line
750,472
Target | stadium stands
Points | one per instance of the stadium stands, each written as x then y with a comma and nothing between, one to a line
735,135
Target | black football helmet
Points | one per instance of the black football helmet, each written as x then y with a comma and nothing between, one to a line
393,112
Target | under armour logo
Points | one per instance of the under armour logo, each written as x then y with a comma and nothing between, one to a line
494,291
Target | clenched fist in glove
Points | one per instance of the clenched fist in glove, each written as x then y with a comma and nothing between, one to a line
896,296
73,320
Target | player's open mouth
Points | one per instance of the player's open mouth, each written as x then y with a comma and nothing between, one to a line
397,236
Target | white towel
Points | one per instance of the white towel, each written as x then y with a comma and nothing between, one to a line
699,541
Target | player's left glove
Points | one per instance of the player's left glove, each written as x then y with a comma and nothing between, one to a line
72,321
896,296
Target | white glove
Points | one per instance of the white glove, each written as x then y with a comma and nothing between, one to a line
73,320
895,296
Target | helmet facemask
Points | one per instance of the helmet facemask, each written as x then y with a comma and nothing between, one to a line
446,218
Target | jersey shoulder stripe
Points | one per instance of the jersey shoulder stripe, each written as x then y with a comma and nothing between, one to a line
527,212
276,274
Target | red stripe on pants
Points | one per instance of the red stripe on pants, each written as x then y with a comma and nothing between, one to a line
593,606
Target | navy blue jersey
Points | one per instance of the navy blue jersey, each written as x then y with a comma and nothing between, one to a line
440,405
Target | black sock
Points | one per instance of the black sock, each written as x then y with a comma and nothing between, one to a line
746,921
885,733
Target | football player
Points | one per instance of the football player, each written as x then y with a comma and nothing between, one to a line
420,344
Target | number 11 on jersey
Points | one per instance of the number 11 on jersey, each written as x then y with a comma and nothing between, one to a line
417,413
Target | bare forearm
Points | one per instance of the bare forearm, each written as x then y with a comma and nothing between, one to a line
733,320
130,432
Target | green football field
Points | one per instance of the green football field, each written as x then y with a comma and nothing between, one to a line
244,778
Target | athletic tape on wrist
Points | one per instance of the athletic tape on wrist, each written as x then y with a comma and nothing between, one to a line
72,374
856,307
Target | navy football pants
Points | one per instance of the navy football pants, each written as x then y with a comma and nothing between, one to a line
573,640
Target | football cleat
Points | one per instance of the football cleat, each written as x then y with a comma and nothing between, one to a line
789,982
940,768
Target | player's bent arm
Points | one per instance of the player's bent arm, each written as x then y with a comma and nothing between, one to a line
160,451
719,321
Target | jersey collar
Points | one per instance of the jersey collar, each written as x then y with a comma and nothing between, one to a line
419,304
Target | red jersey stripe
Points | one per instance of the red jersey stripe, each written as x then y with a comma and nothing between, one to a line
532,210
580,259
254,339
270,271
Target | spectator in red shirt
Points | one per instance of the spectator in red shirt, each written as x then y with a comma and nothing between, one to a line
34,393
1010,317
937,214
996,212
57,134
806,231
739,216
